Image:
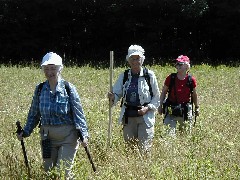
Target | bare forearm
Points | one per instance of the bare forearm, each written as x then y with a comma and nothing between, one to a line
162,97
163,94
195,99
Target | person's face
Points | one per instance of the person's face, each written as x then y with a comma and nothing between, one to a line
51,72
135,63
180,67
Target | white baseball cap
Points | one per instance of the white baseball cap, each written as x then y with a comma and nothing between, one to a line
135,50
51,58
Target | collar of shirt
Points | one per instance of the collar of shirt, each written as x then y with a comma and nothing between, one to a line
140,74
60,85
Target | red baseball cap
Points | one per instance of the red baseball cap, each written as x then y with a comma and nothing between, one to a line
183,59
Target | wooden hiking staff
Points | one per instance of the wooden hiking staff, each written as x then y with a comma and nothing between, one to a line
110,105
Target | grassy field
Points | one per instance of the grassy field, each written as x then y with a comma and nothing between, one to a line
212,151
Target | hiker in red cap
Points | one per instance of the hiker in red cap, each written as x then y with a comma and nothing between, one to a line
178,105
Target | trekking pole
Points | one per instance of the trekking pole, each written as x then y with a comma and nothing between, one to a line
19,130
110,105
88,153
195,120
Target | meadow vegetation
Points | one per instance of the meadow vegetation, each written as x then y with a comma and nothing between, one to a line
212,151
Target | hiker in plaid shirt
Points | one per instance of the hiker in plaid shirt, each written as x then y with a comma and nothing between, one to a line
57,108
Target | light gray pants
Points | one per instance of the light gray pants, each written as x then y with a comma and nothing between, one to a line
173,122
137,131
64,145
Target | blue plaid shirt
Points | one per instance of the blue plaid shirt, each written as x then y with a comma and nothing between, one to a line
56,109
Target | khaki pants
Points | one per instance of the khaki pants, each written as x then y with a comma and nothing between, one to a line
183,125
64,145
137,131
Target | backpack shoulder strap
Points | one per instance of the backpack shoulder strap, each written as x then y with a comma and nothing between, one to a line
39,90
40,86
147,78
67,88
172,82
125,77
190,85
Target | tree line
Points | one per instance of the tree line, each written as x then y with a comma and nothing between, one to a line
84,31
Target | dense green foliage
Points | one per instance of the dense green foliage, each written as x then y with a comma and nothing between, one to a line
210,152
86,30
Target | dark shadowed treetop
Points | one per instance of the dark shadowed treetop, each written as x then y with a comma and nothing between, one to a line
84,31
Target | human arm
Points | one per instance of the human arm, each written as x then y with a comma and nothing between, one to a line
150,94
78,114
33,115
116,95
195,101
154,100
162,98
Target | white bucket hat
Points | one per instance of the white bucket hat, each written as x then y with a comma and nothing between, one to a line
135,50
51,58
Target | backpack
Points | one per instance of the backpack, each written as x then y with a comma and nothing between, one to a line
146,76
177,110
189,84
40,86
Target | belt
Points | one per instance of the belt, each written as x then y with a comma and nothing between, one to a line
134,107
130,107
176,104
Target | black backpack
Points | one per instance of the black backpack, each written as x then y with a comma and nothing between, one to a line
146,76
189,84
40,86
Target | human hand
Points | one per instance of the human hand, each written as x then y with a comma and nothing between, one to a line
143,110
20,136
84,143
196,111
111,97
82,140
160,110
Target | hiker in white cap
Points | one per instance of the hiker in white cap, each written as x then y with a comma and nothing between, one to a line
56,107
182,95
138,89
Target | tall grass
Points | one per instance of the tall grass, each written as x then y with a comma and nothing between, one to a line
212,151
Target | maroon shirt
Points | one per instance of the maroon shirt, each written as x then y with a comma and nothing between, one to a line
182,90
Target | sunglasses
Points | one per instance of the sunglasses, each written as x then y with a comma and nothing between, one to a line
134,59
179,64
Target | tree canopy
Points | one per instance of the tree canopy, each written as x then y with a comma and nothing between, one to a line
86,30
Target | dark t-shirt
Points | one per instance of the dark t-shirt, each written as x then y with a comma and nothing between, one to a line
132,92
132,97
